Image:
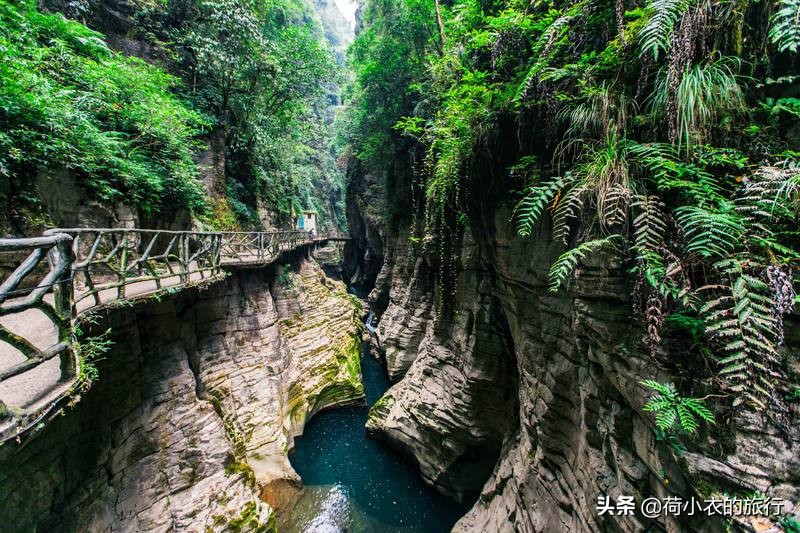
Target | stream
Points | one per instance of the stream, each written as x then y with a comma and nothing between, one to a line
354,484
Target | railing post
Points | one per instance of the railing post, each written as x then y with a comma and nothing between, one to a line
61,257
123,266
183,254
216,256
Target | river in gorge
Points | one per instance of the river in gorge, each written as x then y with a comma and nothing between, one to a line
357,485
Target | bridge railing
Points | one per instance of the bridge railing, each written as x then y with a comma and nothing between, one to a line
89,267
108,263
30,289
257,247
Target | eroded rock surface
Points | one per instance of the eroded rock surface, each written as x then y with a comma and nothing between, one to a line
453,409
195,408
572,363
406,307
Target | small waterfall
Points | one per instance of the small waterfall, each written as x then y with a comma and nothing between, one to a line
368,323
334,517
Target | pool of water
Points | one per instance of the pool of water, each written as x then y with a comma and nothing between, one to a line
355,484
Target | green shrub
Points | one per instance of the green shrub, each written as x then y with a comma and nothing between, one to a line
68,102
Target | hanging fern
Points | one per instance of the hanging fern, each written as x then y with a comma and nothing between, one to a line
567,209
544,48
674,412
710,233
567,261
654,37
663,164
650,225
769,197
530,208
742,324
785,26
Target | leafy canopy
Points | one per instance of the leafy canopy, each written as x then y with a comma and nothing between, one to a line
68,102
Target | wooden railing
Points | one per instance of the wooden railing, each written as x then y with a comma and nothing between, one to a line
91,267
16,298
257,247
107,262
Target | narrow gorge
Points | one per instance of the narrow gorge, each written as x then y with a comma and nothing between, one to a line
399,266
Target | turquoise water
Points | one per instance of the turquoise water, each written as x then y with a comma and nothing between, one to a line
355,484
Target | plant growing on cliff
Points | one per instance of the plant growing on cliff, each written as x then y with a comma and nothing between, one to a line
90,350
624,123
785,26
67,102
567,261
673,411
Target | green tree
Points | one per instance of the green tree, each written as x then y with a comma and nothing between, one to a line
68,102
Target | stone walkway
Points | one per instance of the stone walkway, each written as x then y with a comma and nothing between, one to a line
35,389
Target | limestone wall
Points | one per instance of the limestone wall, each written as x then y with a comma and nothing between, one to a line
550,385
195,408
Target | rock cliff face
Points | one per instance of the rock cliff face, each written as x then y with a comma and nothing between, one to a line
454,407
363,254
549,384
196,406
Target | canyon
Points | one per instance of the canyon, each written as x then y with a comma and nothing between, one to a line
195,406
532,400
550,212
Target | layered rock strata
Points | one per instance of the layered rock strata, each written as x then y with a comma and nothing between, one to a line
572,362
196,405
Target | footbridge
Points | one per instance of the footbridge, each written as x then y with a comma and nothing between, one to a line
58,278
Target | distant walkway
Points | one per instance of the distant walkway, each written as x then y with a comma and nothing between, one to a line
68,272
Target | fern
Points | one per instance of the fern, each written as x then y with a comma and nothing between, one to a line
567,261
663,277
654,37
662,163
743,326
614,209
709,233
650,224
674,412
567,208
603,172
529,210
784,31
649,228
547,43
773,190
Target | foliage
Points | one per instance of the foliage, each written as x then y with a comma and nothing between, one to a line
642,124
785,26
704,94
266,75
285,277
387,57
675,412
68,102
248,521
655,36
530,209
258,81
90,350
567,261
791,524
